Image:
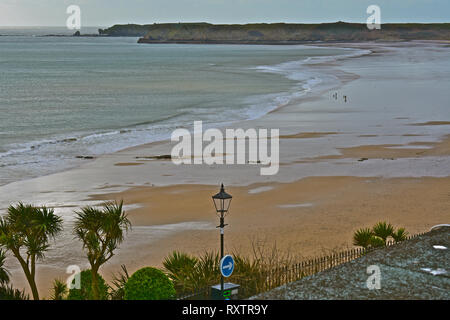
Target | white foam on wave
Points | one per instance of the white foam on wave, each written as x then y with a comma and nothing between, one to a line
308,80
296,205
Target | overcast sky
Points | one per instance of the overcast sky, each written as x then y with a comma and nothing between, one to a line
109,12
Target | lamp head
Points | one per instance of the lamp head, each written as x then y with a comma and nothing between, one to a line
222,201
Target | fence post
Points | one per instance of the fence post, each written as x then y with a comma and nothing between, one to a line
309,267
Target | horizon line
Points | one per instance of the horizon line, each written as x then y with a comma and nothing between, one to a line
193,22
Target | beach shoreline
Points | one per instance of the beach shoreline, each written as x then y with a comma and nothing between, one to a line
343,165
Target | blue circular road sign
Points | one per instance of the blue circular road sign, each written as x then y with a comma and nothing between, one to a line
227,266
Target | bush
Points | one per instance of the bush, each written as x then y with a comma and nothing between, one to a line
59,290
179,268
85,291
149,284
378,236
383,230
377,242
9,293
363,237
400,235
117,292
194,275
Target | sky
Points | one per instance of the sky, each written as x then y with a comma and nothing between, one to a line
109,12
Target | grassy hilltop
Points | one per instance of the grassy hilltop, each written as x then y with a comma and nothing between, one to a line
277,32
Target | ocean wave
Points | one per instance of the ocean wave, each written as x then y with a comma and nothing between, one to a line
90,138
159,120
293,68
308,79
30,146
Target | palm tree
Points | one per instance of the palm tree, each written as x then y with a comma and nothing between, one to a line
377,242
363,237
378,235
4,274
101,232
205,272
179,267
400,235
7,292
383,230
26,232
60,290
119,280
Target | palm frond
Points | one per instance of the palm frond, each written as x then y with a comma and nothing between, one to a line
383,230
117,292
400,235
9,293
4,274
362,237
59,291
377,242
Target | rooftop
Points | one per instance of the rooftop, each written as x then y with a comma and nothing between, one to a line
413,269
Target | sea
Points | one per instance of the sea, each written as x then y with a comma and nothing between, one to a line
65,98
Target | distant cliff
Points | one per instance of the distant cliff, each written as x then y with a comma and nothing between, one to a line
277,32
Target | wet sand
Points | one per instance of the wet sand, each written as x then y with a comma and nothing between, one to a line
394,151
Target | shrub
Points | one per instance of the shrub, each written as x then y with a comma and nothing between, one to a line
59,290
383,230
179,268
9,293
149,284
378,235
400,235
206,271
362,237
117,292
377,242
85,291
194,275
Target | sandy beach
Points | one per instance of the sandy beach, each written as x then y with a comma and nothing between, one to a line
380,155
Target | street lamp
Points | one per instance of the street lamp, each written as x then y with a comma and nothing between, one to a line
222,202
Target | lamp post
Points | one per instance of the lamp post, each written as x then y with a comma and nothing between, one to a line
222,202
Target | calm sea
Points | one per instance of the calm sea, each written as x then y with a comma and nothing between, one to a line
63,97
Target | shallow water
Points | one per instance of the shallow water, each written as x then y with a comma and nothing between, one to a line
63,97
